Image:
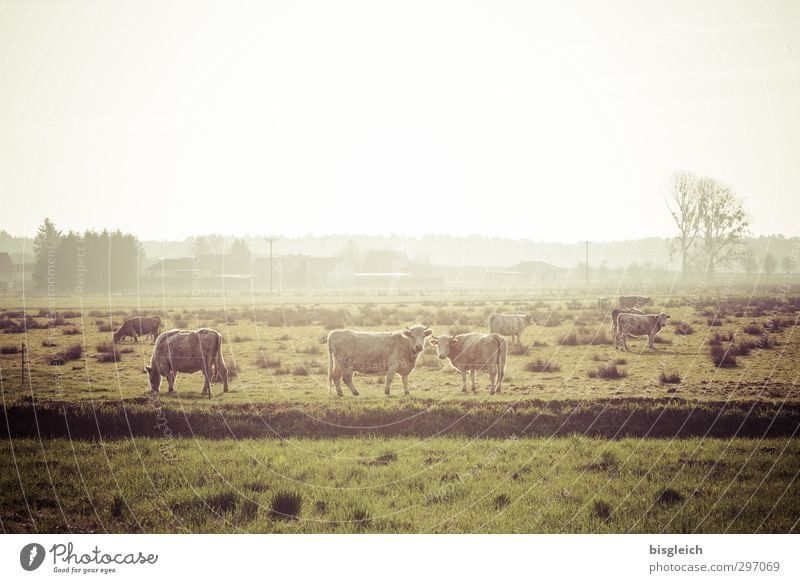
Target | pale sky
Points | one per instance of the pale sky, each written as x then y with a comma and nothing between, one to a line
556,121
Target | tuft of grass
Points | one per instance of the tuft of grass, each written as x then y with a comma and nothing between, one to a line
501,501
754,329
671,378
722,357
669,496
540,365
608,371
312,349
74,352
683,328
109,357
71,331
519,350
301,370
602,510
384,459
286,505
264,361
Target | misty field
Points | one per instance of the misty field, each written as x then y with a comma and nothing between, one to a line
698,435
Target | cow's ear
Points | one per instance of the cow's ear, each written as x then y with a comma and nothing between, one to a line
454,340
147,368
407,333
428,332
434,342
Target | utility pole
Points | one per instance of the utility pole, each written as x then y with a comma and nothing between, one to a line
270,240
587,262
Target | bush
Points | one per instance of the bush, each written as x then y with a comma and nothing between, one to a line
672,378
237,339
754,329
71,331
519,350
109,357
683,328
668,496
105,347
721,357
540,365
602,510
11,349
301,370
312,349
74,352
608,371
286,505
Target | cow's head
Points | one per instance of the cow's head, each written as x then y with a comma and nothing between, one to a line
528,319
648,301
661,321
416,336
443,345
117,336
154,376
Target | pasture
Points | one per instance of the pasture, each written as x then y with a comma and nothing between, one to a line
583,438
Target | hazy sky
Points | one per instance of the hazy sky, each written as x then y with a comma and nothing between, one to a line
555,121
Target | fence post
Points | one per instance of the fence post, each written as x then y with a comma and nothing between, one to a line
22,365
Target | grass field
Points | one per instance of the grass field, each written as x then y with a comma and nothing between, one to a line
674,443
573,484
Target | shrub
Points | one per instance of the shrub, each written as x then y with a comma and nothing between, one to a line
301,370
602,510
672,378
105,328
71,331
519,350
238,339
501,501
49,343
721,357
311,349
74,352
286,505
608,371
109,357
105,347
683,328
10,349
754,329
540,365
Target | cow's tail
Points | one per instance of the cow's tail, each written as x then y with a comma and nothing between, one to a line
216,355
489,323
330,366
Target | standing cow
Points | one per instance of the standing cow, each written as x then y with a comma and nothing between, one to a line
374,353
469,353
635,301
603,305
186,351
510,325
139,326
639,325
616,312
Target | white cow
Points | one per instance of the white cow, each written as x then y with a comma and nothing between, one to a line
374,353
469,353
510,325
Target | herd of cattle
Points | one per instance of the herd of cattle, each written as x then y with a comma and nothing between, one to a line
378,353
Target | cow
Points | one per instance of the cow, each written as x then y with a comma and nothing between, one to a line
139,326
374,353
639,325
603,305
635,301
471,352
510,325
187,351
616,312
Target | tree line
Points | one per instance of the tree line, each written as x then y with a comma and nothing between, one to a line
92,261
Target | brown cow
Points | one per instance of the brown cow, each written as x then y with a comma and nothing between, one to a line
139,326
473,351
186,351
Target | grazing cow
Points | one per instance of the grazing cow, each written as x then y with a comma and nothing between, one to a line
616,312
510,325
639,325
135,327
603,304
186,351
375,353
469,353
635,301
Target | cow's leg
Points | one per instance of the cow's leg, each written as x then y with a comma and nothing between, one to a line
473,374
348,379
651,341
337,380
405,384
390,372
171,380
492,378
464,373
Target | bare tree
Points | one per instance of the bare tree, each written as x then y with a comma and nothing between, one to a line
723,222
769,264
684,206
